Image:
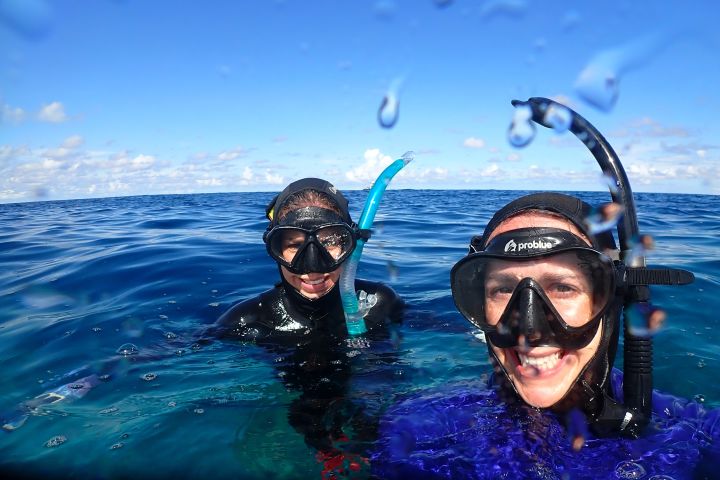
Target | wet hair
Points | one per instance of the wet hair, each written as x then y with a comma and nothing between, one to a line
307,198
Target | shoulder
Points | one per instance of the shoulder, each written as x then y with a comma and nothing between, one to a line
251,316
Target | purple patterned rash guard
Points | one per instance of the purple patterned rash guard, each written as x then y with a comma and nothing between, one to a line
467,432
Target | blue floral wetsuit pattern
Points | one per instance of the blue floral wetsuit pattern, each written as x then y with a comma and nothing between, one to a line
467,432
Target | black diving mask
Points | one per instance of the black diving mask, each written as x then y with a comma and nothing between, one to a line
311,240
535,287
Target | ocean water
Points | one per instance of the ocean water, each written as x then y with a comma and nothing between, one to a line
107,297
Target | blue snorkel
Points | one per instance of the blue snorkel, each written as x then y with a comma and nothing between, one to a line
634,415
354,315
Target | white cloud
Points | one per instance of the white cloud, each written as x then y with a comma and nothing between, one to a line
73,141
367,172
247,174
52,113
233,154
11,114
473,142
273,178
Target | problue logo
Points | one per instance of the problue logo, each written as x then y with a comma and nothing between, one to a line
513,246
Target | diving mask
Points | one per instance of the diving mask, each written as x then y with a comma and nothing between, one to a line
535,287
311,240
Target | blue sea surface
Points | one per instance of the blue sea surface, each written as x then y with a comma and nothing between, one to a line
82,279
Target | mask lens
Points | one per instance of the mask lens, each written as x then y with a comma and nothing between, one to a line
578,284
291,246
285,243
336,240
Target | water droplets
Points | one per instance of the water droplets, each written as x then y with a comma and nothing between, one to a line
577,429
56,441
393,270
558,117
389,110
610,182
639,245
604,218
599,82
522,129
127,349
643,319
629,470
149,377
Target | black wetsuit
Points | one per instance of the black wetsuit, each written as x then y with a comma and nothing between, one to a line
282,314
308,341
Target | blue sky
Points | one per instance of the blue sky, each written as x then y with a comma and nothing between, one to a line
128,97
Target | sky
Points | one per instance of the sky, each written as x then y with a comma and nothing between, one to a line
105,98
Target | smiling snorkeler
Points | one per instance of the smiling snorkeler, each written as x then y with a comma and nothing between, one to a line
548,290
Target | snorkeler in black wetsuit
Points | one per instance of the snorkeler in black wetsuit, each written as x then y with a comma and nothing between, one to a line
301,318
310,235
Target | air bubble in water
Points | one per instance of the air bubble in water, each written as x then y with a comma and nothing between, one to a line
629,470
558,117
56,441
127,349
149,377
604,218
522,129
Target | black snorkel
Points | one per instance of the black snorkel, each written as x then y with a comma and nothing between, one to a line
634,414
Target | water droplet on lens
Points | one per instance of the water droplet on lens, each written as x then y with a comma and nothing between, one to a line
610,182
598,85
170,335
629,470
643,319
127,349
558,117
522,129
604,218
389,111
115,446
149,377
392,271
97,329
700,398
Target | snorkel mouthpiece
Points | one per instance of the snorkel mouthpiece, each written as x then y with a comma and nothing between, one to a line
354,315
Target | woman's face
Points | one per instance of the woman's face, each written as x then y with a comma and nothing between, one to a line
542,375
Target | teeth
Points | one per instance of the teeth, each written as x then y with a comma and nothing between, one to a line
541,363
314,282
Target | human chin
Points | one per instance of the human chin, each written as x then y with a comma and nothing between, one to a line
312,285
542,376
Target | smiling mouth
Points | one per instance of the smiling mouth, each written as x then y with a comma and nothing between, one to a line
314,282
542,363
